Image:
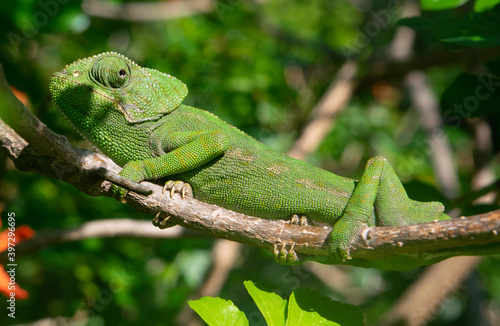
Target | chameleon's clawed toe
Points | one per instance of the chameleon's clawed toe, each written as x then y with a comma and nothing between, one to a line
284,255
299,220
163,222
180,187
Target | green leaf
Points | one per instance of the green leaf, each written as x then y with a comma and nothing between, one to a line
482,5
271,305
421,23
470,96
307,307
218,312
473,29
441,4
494,66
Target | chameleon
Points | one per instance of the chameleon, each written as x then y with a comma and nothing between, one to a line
135,116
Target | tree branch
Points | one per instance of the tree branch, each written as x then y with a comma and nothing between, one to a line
473,235
56,158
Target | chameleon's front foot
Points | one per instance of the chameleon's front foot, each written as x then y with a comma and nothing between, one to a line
299,220
173,187
163,222
180,187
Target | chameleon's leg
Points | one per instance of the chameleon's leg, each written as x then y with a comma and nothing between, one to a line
379,199
189,150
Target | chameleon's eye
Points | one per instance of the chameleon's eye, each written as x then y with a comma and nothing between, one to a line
111,72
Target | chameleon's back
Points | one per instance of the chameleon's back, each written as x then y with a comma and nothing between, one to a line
259,179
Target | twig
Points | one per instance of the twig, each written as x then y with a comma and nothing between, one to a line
470,197
427,106
401,47
224,255
424,297
146,11
124,182
106,228
482,153
383,69
333,101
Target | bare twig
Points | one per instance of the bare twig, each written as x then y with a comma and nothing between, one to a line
106,228
424,297
333,101
401,47
483,152
151,11
146,11
426,104
224,256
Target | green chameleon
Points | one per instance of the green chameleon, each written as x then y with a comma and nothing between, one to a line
135,116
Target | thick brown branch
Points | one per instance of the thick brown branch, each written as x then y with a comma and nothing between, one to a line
473,235
79,168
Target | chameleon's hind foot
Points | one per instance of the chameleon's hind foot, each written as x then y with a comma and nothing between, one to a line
163,222
180,187
284,253
343,233
299,220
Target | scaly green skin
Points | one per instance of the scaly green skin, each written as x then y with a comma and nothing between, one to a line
134,115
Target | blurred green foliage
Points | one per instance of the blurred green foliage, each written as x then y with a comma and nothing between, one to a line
261,66
304,307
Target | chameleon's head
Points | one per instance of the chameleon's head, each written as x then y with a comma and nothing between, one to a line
110,88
